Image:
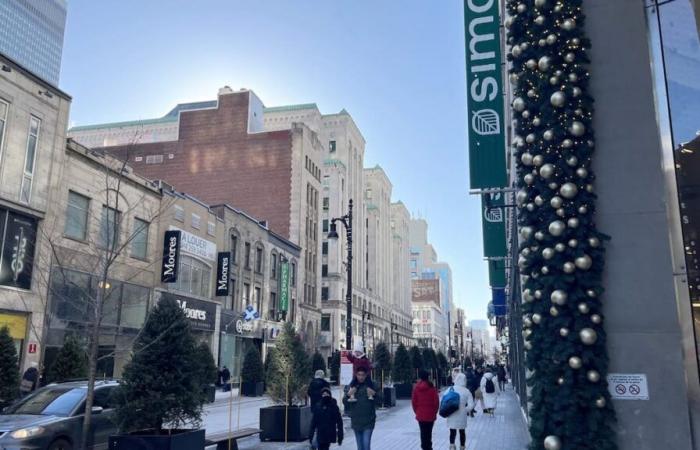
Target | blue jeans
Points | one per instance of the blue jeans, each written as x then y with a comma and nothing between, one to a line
363,438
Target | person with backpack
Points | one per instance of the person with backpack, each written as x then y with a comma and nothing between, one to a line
489,392
425,404
457,420
502,378
326,423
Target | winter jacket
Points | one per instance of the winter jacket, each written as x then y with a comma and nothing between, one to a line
458,420
362,413
425,401
314,391
362,361
474,381
489,399
327,422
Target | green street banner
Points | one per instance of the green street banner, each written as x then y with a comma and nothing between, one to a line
284,287
493,222
497,273
487,156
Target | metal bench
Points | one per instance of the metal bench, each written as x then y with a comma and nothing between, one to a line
221,440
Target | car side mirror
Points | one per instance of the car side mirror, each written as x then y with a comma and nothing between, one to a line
97,409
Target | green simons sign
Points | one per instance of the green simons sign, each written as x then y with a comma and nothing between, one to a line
487,159
284,287
493,223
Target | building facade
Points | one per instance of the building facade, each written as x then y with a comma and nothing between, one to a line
402,318
428,315
31,33
33,119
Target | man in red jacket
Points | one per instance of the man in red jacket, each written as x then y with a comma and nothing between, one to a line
425,403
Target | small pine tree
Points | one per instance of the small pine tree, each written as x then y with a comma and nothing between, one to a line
429,359
252,369
382,360
162,383
268,359
289,370
442,363
9,371
70,363
416,358
207,366
335,366
318,362
402,371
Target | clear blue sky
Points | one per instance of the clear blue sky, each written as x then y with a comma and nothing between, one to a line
396,66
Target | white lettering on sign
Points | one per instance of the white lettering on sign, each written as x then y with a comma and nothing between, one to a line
223,281
242,326
19,252
192,313
628,386
196,246
172,252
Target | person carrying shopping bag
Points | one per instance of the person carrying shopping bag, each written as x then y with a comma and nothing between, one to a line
457,421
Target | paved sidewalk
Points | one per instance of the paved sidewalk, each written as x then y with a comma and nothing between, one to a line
397,430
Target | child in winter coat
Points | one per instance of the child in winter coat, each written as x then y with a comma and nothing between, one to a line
360,360
327,423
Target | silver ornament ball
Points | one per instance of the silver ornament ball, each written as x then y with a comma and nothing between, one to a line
539,201
594,242
588,336
544,63
558,99
537,318
583,308
559,297
521,8
548,135
600,402
526,159
556,202
593,376
526,232
531,93
536,121
521,197
553,185
560,247
537,160
531,64
553,311
577,128
576,92
544,270
528,345
572,223
552,443
596,319
540,3
548,253
546,171
568,190
515,51
554,81
567,143
560,380
551,39
581,172
572,161
539,235
582,209
573,77
590,293
569,267
561,212
563,332
518,104
569,57
556,228
538,294
568,24
530,138
584,262
573,242
575,362
529,179
539,20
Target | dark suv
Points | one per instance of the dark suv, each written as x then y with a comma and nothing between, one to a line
51,418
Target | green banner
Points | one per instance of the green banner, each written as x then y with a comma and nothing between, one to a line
284,287
497,273
494,225
487,155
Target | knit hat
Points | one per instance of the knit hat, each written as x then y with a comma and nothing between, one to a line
325,389
320,374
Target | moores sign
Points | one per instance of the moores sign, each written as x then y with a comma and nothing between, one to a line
171,256
200,314
222,270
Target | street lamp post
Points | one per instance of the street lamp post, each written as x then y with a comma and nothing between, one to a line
346,220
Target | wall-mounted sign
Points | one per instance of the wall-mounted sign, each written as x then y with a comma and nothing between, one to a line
628,386
487,155
171,256
493,224
284,287
17,241
243,326
200,314
196,246
31,348
222,278
250,313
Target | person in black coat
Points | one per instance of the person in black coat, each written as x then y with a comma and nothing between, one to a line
316,386
327,423
225,377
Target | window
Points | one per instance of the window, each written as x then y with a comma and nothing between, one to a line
196,221
326,203
109,228
324,270
194,277
179,213
29,159
139,242
324,293
331,146
76,216
368,193
273,266
324,248
258,259
325,322
258,299
211,228
3,120
234,248
247,255
246,294
154,159
414,264
273,306
294,274
325,225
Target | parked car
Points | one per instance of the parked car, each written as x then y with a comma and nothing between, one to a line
51,418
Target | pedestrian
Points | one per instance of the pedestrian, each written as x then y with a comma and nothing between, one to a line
29,379
316,386
489,392
457,421
425,404
360,360
326,423
225,377
362,411
501,373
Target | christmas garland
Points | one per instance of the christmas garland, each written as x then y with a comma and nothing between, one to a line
561,254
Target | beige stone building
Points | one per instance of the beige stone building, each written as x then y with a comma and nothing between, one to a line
400,277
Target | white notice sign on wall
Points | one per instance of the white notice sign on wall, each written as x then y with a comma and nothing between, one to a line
628,386
345,374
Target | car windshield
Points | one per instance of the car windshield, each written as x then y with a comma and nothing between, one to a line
58,401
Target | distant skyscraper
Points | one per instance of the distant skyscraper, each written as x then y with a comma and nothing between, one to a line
31,33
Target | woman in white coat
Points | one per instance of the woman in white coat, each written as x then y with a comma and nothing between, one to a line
489,397
458,420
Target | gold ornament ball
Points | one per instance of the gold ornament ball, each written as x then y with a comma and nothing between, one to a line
593,376
556,228
537,318
553,311
569,267
584,262
575,362
577,128
569,24
546,171
559,297
568,190
583,308
552,443
600,402
563,332
518,104
548,253
588,336
556,202
558,99
595,318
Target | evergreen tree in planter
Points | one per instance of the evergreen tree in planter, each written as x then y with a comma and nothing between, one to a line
442,366
9,372
416,360
335,367
70,363
382,361
209,371
402,373
162,385
288,376
252,374
318,363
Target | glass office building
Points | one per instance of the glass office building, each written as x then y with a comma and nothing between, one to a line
31,33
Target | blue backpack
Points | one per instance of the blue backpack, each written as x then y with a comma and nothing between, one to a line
449,403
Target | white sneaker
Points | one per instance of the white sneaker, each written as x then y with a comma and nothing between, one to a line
453,447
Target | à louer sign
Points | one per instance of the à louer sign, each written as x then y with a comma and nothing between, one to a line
487,159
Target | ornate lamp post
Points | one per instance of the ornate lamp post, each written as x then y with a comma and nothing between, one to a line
346,220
